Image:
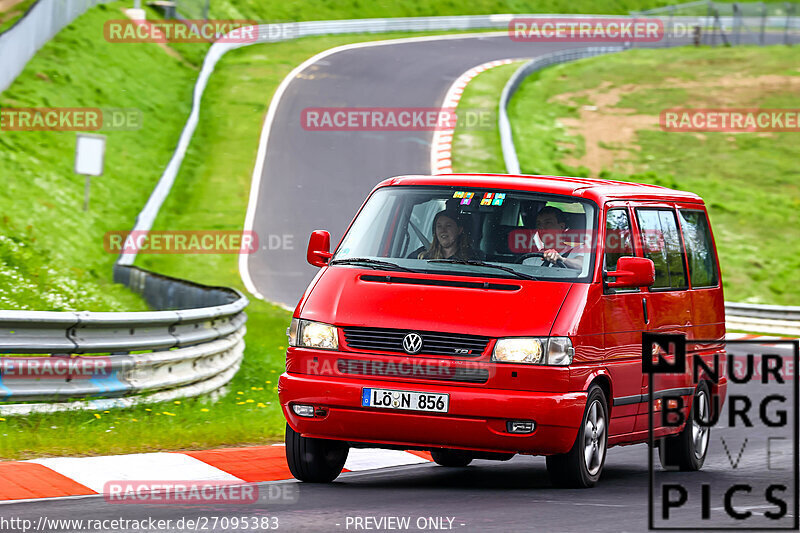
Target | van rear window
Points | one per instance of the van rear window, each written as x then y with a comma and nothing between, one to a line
699,248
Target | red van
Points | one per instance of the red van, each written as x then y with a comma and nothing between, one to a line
482,316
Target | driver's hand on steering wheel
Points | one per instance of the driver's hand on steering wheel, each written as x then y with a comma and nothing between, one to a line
552,256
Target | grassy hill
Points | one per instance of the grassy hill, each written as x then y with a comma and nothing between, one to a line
51,252
600,117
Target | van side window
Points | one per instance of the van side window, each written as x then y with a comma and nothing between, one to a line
618,237
699,248
662,244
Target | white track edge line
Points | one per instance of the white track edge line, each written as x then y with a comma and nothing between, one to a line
452,97
255,181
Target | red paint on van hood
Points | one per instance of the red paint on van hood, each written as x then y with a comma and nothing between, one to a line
341,297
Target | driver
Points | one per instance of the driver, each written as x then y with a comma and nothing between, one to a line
450,241
551,220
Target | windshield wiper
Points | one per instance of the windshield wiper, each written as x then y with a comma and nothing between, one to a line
484,264
374,263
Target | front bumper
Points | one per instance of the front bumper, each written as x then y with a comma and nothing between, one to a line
476,419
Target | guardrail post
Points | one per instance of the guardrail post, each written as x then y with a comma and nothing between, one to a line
737,23
763,24
789,12
671,25
718,23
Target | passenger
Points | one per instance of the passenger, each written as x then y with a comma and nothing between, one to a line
450,240
551,220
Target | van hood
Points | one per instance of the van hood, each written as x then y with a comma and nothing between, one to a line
352,296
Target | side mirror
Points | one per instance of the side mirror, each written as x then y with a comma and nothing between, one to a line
633,272
319,248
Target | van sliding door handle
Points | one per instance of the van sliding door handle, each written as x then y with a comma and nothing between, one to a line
644,308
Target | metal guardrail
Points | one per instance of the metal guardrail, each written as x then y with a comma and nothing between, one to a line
194,340
193,343
268,33
773,319
773,312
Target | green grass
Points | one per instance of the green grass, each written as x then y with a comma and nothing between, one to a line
749,181
479,150
211,192
51,252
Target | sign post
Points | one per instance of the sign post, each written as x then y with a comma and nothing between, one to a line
90,151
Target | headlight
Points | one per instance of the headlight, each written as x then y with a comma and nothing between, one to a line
534,350
518,350
308,334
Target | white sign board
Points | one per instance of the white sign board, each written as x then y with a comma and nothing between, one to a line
90,152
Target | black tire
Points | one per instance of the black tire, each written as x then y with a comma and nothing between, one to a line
314,460
687,450
451,458
570,470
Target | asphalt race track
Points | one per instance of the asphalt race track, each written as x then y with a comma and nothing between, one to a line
318,179
514,495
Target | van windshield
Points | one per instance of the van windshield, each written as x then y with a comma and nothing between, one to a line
472,231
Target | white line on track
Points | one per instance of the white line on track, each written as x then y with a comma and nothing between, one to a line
258,169
441,146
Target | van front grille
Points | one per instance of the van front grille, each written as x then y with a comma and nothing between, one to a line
433,343
412,371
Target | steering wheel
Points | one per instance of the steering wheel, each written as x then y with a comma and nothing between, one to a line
523,257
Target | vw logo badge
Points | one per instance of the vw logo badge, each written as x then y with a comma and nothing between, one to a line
412,343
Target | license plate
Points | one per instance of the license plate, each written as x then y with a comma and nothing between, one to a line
406,400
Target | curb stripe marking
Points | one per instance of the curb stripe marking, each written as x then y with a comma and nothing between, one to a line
19,481
95,472
64,477
441,147
259,463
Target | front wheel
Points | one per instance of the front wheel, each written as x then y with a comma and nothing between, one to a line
314,460
581,466
687,450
